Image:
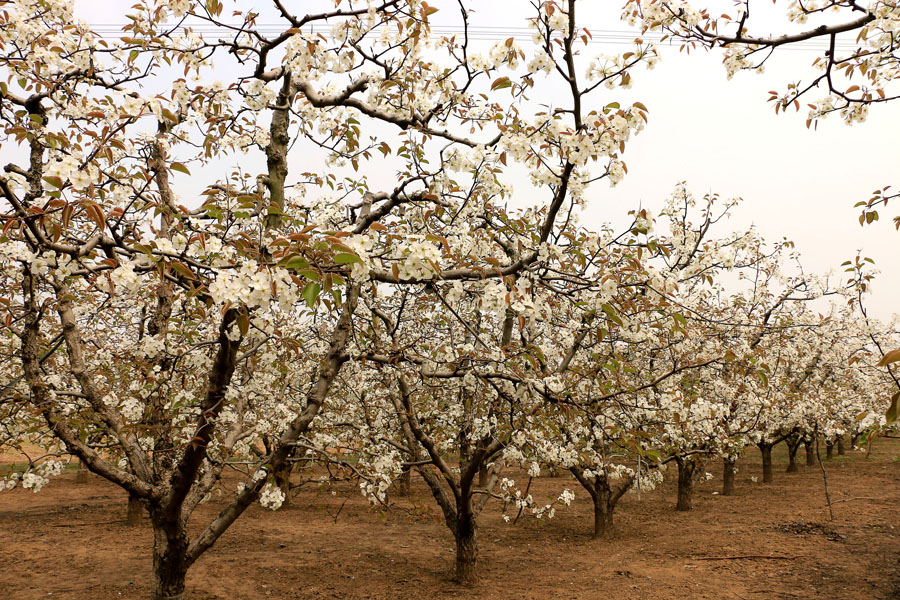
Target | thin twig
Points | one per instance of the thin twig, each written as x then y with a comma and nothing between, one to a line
522,507
854,498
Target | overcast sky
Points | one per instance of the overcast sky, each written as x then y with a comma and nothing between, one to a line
723,136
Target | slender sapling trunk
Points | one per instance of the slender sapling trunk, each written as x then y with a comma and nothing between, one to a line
766,450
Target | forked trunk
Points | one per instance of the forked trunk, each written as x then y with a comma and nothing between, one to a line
685,484
466,549
604,496
766,450
135,511
810,453
793,446
728,472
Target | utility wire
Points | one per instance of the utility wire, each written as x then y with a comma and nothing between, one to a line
476,33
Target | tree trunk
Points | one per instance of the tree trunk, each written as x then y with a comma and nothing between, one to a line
466,549
854,441
728,476
404,482
810,453
135,511
169,560
829,449
840,445
793,446
484,476
603,518
81,475
766,450
604,499
283,481
685,484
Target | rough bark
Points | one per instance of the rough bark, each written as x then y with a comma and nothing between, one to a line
170,563
484,476
728,473
766,450
793,445
603,517
466,535
686,469
810,453
135,511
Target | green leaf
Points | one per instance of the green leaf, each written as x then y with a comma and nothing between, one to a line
891,414
177,166
345,258
310,293
611,313
500,83
309,274
295,262
54,181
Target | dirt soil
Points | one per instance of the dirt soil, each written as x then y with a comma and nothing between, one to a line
769,541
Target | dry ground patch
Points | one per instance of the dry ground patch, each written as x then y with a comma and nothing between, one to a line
70,541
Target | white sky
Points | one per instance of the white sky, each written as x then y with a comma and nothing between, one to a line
723,136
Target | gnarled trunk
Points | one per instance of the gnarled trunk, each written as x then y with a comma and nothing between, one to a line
686,469
793,445
466,548
810,453
766,450
170,563
604,496
728,472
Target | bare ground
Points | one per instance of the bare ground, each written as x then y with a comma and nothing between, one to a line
70,541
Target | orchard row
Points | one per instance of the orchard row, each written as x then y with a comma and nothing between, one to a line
245,249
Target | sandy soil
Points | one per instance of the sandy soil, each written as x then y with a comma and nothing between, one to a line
769,541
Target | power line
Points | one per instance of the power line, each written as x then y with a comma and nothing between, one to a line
475,32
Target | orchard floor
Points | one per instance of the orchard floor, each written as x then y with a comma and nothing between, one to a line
769,541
